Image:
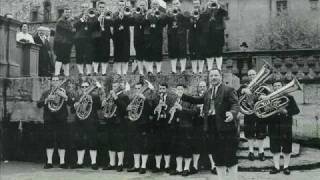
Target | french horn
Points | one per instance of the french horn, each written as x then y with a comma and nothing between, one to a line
276,101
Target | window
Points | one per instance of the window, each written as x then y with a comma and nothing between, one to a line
46,11
34,16
60,12
282,7
314,4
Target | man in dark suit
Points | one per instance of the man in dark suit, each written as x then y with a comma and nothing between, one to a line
220,108
280,132
46,65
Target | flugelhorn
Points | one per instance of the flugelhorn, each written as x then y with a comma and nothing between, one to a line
276,101
247,102
56,103
136,106
173,110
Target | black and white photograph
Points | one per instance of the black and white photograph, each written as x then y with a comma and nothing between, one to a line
159,89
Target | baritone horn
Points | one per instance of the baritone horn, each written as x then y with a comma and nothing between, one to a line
247,102
57,102
136,106
276,101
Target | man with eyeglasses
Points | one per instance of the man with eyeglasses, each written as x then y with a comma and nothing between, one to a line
254,127
220,107
55,121
86,129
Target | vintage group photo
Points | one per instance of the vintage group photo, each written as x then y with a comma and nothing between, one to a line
159,89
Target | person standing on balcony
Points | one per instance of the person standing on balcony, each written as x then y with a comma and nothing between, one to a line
46,66
23,35
81,40
177,22
63,41
215,35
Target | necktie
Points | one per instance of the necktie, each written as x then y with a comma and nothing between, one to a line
212,110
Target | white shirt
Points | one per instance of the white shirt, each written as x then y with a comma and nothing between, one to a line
20,36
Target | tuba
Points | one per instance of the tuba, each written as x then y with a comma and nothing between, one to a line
57,102
276,101
247,102
137,103
83,110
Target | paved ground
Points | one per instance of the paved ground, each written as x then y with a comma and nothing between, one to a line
30,171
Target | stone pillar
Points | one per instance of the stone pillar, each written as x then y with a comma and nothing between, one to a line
30,60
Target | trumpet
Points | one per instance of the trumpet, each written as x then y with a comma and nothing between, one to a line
276,101
127,11
213,5
196,13
247,102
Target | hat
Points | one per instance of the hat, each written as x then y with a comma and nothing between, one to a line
42,28
244,44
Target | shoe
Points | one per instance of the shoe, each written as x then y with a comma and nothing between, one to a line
119,168
94,167
251,156
185,172
109,167
193,170
175,172
167,170
173,72
142,171
286,171
214,171
133,169
274,171
156,170
48,166
77,166
261,157
63,166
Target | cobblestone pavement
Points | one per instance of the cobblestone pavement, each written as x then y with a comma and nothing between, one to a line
30,171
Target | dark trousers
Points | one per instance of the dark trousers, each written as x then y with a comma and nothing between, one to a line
86,134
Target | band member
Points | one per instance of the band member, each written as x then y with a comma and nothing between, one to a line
116,123
46,65
181,116
163,131
196,38
121,38
199,137
215,35
81,39
139,43
101,39
153,36
254,127
280,132
86,122
177,36
55,113
63,42
139,132
220,107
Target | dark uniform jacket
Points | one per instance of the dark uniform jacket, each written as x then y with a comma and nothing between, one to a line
121,113
64,32
184,118
46,65
285,120
81,31
121,37
48,115
226,100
